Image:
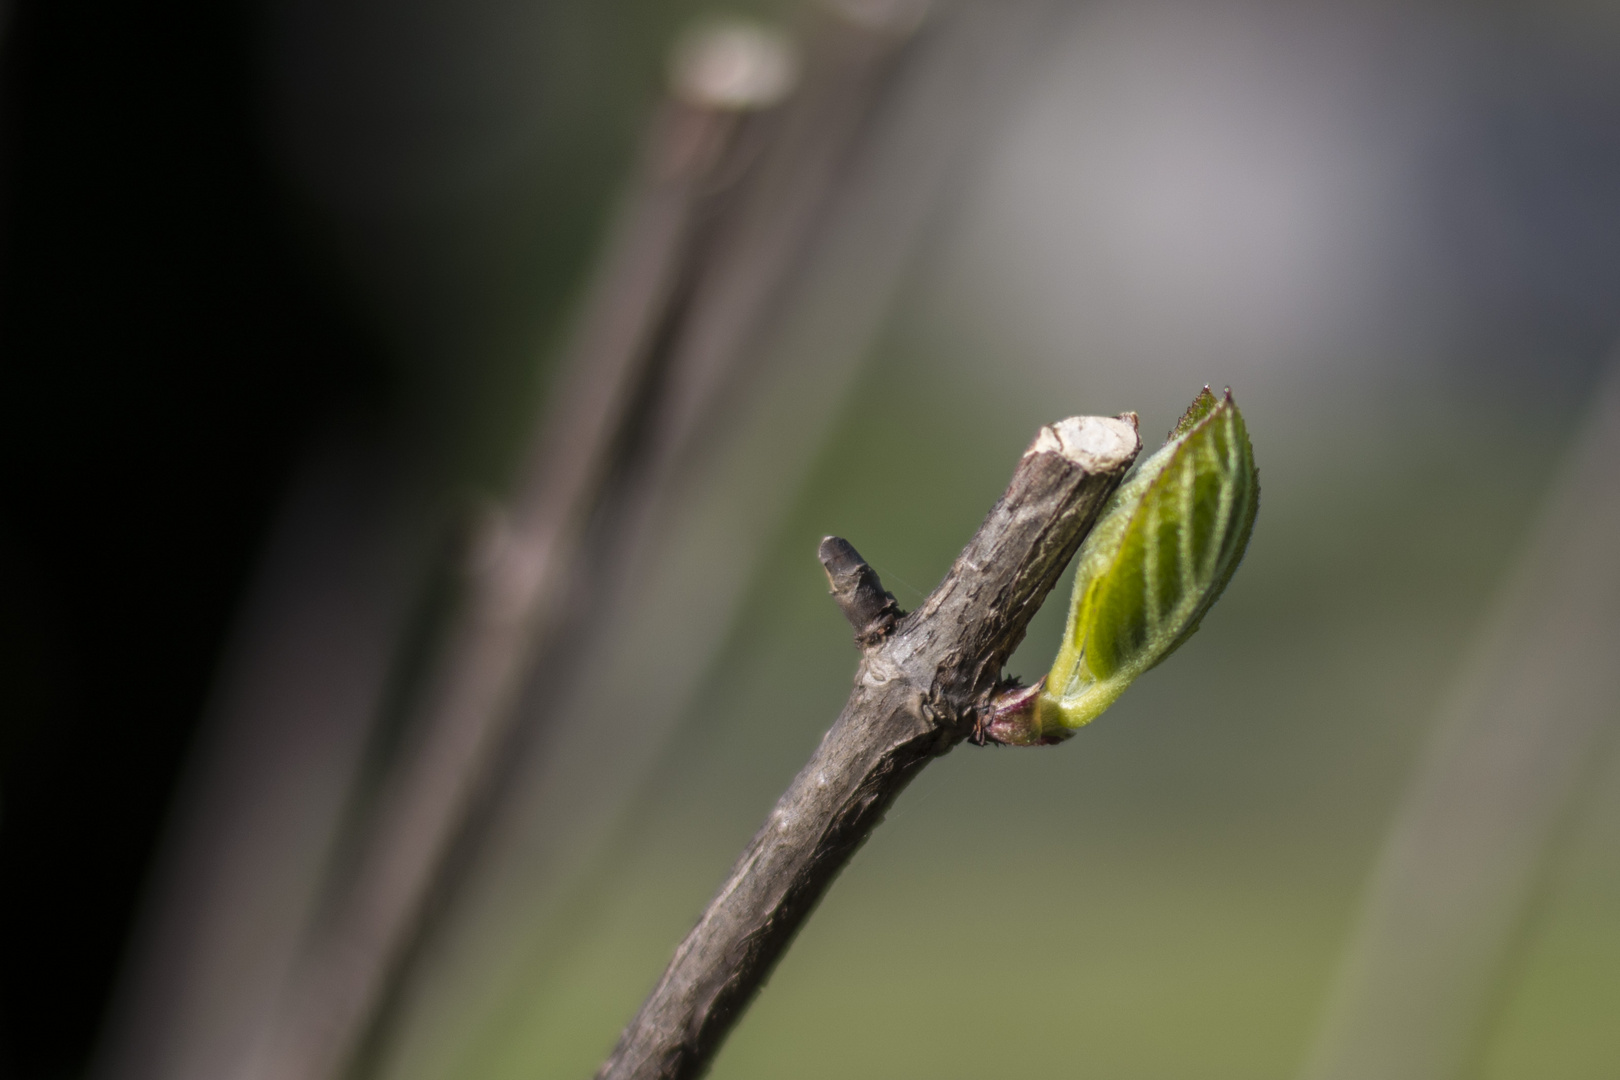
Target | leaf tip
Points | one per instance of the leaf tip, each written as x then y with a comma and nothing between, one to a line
1202,405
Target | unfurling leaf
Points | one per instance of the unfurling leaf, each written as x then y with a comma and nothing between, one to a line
1164,548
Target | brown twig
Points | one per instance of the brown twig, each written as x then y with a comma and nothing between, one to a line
918,692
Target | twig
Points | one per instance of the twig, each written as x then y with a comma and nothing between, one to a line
919,688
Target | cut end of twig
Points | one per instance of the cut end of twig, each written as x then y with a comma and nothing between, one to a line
1098,444
858,592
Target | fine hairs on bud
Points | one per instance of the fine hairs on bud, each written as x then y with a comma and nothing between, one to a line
1156,561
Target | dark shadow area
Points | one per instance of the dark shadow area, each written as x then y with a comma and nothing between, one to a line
166,356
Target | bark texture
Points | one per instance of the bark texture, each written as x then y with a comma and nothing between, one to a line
922,682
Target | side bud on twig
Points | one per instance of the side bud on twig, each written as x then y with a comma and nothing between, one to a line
1159,557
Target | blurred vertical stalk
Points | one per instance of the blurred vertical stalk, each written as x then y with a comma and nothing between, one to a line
516,587
1458,873
720,210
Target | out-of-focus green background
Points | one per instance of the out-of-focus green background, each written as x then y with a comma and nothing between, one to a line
1394,232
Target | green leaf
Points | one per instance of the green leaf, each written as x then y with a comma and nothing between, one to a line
1159,557
1202,405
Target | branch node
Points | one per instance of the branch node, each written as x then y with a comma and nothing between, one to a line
859,594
